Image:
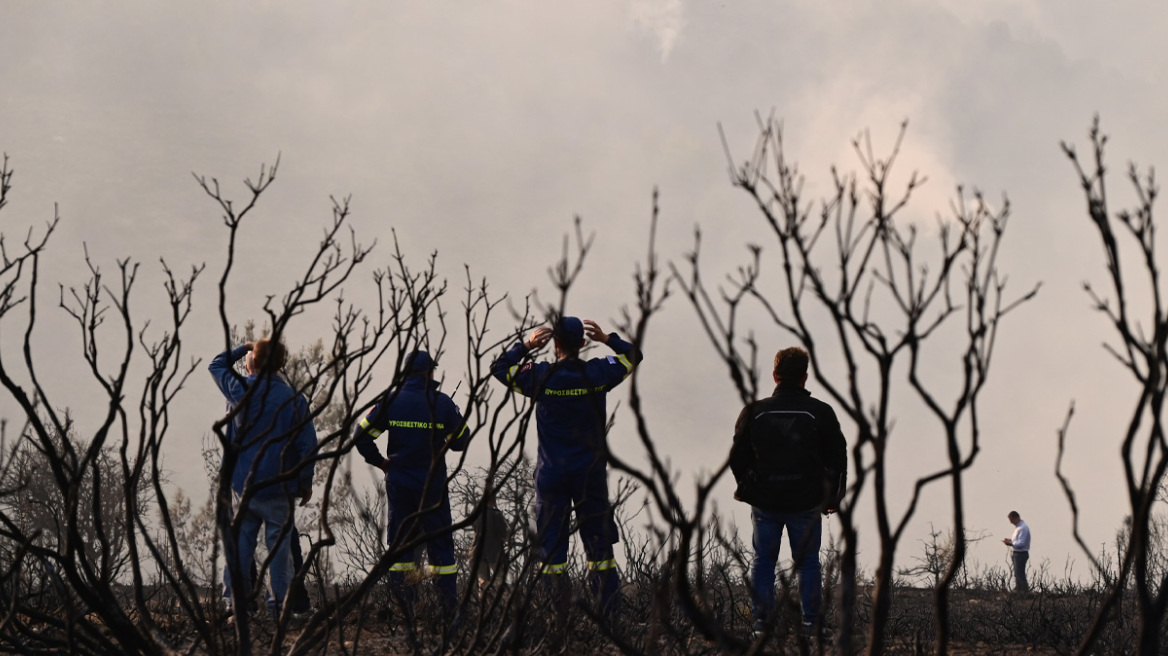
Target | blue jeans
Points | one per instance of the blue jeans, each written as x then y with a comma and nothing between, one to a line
273,513
804,532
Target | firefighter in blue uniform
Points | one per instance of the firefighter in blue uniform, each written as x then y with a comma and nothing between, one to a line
572,466
420,424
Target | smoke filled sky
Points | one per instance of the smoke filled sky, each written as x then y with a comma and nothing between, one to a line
479,130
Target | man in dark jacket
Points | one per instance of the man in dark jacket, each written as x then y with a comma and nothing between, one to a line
572,468
273,439
790,461
420,424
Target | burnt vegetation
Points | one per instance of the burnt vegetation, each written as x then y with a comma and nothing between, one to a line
100,553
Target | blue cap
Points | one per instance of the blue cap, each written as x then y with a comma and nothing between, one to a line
569,331
419,362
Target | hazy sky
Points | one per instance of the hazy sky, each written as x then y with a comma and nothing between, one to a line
479,129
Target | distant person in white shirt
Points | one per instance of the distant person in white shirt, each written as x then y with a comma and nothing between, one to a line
1020,543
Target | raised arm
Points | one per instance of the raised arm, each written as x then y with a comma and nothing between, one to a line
506,368
627,356
222,369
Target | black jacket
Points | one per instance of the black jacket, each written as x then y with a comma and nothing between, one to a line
789,454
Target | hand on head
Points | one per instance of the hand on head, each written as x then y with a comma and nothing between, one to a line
249,358
543,335
538,338
594,331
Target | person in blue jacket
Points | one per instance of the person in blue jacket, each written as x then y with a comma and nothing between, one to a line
272,439
420,425
571,471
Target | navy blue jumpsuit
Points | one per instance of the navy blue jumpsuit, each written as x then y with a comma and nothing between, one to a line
572,466
419,423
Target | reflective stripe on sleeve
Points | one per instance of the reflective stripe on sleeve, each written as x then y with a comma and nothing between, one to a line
365,426
444,569
554,569
624,359
511,378
601,565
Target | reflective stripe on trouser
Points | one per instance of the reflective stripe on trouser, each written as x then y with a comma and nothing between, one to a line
445,579
585,494
604,582
406,523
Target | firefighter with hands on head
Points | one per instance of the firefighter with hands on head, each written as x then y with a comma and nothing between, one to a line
272,435
420,424
571,473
